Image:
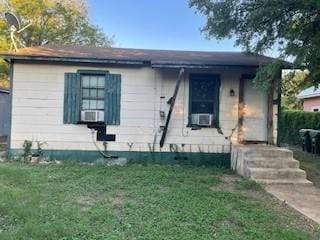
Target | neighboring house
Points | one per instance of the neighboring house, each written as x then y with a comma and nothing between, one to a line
58,90
4,112
311,99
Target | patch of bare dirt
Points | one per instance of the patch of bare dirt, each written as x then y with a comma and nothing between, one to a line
118,199
85,202
227,182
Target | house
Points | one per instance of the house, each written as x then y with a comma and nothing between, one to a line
156,105
4,112
311,99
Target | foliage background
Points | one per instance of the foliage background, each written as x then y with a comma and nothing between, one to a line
53,21
289,29
292,121
292,84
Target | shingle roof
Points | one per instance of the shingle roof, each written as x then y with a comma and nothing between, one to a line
309,93
136,56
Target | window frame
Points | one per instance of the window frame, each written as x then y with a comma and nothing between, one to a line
90,72
216,101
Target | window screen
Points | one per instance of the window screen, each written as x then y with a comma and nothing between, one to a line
203,100
92,89
204,96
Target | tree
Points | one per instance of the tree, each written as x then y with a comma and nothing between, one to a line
53,21
291,26
292,84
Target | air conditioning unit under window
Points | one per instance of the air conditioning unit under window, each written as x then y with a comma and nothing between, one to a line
202,119
92,116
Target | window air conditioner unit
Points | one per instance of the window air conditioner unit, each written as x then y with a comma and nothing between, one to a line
92,116
202,119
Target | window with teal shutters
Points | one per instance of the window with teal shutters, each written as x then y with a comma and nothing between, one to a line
83,92
71,98
112,99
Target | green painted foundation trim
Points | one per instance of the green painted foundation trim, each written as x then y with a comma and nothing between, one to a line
221,160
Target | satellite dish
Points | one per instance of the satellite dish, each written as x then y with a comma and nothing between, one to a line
12,20
15,28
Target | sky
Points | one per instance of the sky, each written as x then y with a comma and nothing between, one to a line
154,24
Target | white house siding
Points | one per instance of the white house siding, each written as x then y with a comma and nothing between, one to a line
38,110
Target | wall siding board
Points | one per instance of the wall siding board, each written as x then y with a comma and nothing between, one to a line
66,102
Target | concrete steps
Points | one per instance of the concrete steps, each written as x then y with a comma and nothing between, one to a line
274,174
268,164
270,153
271,163
302,182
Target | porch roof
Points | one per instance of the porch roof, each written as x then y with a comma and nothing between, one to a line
155,58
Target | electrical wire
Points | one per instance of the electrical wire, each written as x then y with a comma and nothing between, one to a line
96,145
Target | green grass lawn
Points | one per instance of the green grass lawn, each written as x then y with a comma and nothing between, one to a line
310,163
140,202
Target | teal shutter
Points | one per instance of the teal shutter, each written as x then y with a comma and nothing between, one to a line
71,108
112,99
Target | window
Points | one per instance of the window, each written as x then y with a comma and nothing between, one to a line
316,109
204,98
92,92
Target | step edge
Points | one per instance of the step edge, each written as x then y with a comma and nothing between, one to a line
275,169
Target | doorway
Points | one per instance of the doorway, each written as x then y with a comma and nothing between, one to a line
255,113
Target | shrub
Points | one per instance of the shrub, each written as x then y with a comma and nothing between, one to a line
292,121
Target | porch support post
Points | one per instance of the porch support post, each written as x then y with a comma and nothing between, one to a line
270,115
241,110
274,110
278,105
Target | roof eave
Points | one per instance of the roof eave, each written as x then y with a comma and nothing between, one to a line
199,66
154,64
74,60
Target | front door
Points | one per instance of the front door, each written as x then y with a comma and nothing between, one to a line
255,114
